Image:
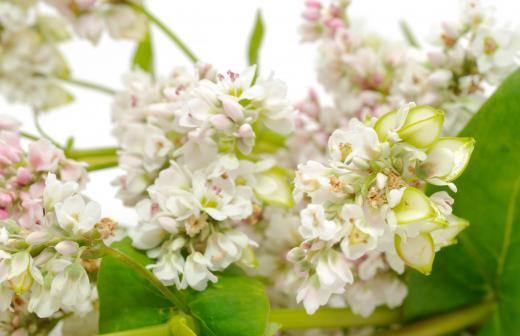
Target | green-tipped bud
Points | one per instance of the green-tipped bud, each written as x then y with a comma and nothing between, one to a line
417,252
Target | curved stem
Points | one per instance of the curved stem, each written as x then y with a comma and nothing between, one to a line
182,46
447,323
331,318
88,85
39,128
145,273
29,136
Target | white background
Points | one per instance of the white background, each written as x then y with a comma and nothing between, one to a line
217,31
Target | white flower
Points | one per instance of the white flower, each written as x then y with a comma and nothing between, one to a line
56,191
196,271
75,216
359,236
313,295
72,286
333,270
220,198
225,248
170,265
359,141
315,225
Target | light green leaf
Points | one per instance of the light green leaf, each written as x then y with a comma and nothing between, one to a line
484,264
144,56
127,300
255,39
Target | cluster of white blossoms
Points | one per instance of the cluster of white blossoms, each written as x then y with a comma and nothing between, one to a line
30,60
45,225
368,202
197,151
368,75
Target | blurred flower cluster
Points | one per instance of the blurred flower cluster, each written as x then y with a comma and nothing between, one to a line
31,64
369,75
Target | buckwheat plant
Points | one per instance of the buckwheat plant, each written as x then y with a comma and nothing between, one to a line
369,199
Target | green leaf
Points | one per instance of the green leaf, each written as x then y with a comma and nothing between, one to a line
484,264
127,300
234,306
143,55
255,39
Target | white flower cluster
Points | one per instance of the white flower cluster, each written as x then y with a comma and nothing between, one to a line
45,224
367,75
197,151
366,206
89,18
29,55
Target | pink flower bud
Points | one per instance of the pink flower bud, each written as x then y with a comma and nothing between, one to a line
23,176
313,3
334,23
311,14
5,200
44,156
3,214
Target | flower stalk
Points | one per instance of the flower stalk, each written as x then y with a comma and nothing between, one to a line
447,323
332,318
167,31
88,85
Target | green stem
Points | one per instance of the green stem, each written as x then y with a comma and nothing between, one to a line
447,323
90,152
175,39
172,296
88,85
39,128
332,318
156,330
29,136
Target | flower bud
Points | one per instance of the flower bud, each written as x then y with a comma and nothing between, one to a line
67,247
221,123
413,207
420,126
448,157
417,252
37,237
233,110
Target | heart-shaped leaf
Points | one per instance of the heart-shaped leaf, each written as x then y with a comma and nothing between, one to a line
484,265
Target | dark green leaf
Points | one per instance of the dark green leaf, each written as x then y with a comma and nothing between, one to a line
143,55
255,40
234,306
485,263
127,300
